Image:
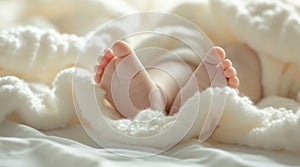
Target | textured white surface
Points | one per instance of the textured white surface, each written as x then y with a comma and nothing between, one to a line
23,145
36,79
50,107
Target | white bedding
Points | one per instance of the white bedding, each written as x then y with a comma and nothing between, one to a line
24,146
37,88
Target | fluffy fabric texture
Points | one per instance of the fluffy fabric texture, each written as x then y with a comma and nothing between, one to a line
36,69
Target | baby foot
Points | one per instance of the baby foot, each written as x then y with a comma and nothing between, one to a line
128,86
209,75
216,65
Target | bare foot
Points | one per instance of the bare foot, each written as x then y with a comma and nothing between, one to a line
128,85
208,75
216,65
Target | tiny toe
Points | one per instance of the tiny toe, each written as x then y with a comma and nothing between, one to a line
230,72
108,55
121,49
227,63
103,62
98,69
234,82
97,78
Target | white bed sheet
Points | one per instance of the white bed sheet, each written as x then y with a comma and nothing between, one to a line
21,145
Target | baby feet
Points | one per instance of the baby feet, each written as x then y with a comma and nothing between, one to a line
128,86
208,74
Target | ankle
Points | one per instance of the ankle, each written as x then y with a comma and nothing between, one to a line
166,84
158,100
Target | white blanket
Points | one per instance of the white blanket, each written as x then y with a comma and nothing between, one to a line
35,65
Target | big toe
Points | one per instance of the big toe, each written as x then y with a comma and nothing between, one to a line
121,49
215,55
